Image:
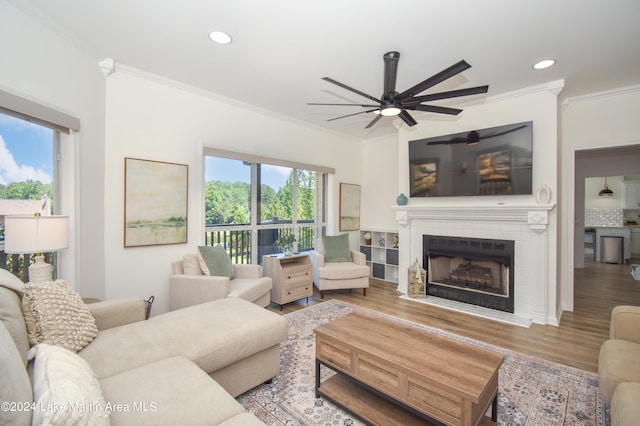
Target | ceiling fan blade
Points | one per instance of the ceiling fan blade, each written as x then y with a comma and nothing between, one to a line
435,109
449,142
390,72
350,115
407,118
374,121
351,89
433,80
447,95
360,105
495,135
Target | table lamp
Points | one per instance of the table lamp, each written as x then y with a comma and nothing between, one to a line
25,234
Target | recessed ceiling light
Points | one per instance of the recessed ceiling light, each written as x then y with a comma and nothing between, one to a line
546,63
220,37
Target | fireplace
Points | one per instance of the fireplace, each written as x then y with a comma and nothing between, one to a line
477,271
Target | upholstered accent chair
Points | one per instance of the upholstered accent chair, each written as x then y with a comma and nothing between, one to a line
337,267
189,285
619,366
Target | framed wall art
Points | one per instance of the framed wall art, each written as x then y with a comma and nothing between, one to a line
349,207
155,203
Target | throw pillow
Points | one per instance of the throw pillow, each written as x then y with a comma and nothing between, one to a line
55,314
336,248
191,264
65,389
215,261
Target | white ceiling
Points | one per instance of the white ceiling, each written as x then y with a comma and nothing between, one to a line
282,48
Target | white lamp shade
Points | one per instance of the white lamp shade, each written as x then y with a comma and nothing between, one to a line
35,234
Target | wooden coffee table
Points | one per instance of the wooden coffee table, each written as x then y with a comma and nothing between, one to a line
391,373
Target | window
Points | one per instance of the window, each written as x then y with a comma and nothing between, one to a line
251,202
28,179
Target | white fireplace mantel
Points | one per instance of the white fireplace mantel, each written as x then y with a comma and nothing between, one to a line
526,224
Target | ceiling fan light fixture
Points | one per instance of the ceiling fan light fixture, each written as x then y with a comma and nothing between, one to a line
390,111
220,37
544,64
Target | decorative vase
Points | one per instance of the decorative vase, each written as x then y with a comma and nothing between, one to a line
402,200
287,250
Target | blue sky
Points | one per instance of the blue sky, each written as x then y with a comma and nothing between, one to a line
26,151
235,171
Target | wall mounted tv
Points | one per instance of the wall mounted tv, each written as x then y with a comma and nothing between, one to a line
493,161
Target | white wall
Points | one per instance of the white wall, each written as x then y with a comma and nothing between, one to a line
380,183
597,121
157,120
40,66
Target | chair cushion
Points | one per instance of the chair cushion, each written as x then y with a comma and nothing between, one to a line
619,362
54,313
215,261
336,248
343,271
62,379
625,409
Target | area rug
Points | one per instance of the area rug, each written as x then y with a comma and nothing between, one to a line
532,391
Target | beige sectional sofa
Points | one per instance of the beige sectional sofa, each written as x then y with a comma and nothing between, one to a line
182,367
619,366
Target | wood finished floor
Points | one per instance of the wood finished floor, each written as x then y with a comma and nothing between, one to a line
576,342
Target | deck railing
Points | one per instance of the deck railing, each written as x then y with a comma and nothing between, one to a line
238,242
18,264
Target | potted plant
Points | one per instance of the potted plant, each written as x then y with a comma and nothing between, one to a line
367,238
286,242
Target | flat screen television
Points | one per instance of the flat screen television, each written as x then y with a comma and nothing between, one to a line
493,161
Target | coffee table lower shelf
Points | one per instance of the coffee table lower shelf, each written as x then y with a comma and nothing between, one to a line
365,404
370,407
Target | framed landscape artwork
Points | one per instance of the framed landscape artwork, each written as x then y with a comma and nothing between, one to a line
155,204
349,207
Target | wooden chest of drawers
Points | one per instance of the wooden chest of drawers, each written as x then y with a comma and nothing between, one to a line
291,277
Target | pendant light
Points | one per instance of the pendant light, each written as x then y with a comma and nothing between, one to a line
605,191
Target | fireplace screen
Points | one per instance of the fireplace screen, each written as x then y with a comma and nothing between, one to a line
470,270
472,274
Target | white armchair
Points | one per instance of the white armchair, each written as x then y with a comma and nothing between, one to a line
348,272
189,286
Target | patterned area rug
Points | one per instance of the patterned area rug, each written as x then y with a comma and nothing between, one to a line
531,391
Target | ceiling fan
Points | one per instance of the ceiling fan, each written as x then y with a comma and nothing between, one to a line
474,137
393,103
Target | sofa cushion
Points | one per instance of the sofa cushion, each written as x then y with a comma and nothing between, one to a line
11,317
619,362
172,391
215,261
213,335
8,280
15,386
336,248
191,265
625,409
65,390
54,313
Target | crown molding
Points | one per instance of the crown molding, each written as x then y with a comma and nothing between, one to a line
601,95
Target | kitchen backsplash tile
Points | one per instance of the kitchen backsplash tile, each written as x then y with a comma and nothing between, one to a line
604,217
632,215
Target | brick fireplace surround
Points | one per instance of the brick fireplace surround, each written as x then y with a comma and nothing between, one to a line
526,225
